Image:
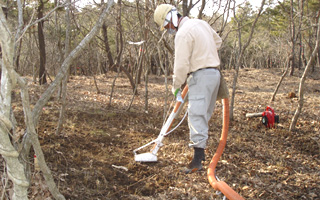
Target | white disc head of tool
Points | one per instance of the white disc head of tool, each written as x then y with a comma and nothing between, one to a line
145,157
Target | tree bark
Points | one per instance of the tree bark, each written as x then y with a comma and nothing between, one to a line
185,8
98,71
302,81
18,43
15,169
107,46
65,79
203,5
145,51
281,79
119,48
112,87
42,45
141,50
31,130
293,38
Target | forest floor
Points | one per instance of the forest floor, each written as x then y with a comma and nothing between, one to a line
93,156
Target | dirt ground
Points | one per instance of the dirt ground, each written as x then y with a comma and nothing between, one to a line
92,158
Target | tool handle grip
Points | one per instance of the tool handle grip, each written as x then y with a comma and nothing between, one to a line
249,115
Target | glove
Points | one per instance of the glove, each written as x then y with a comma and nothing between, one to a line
177,94
175,91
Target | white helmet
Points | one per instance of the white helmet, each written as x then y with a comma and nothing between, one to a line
162,16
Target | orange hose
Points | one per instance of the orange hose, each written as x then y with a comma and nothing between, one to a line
220,185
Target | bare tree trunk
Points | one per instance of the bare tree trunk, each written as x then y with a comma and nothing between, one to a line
281,79
57,33
184,7
140,65
232,56
318,63
18,43
107,46
110,58
42,45
119,48
242,50
136,84
142,50
127,73
15,169
59,46
29,138
301,7
165,81
203,5
302,80
120,69
145,50
31,130
146,88
97,72
112,87
225,18
65,79
293,38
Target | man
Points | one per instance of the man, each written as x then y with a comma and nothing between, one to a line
196,61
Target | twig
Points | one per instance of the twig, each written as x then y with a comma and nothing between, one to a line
39,20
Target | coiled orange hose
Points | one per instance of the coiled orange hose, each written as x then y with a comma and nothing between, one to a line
221,185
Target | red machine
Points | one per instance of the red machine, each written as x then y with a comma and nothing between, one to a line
269,118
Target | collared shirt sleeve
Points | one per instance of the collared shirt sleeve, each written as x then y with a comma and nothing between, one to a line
183,51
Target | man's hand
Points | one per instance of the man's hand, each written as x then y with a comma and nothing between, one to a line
177,94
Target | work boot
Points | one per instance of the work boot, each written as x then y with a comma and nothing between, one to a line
195,164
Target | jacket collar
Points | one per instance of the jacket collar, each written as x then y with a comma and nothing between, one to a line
184,19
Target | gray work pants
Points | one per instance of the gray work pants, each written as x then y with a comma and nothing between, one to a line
203,89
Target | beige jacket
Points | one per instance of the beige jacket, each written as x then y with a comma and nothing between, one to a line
196,45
